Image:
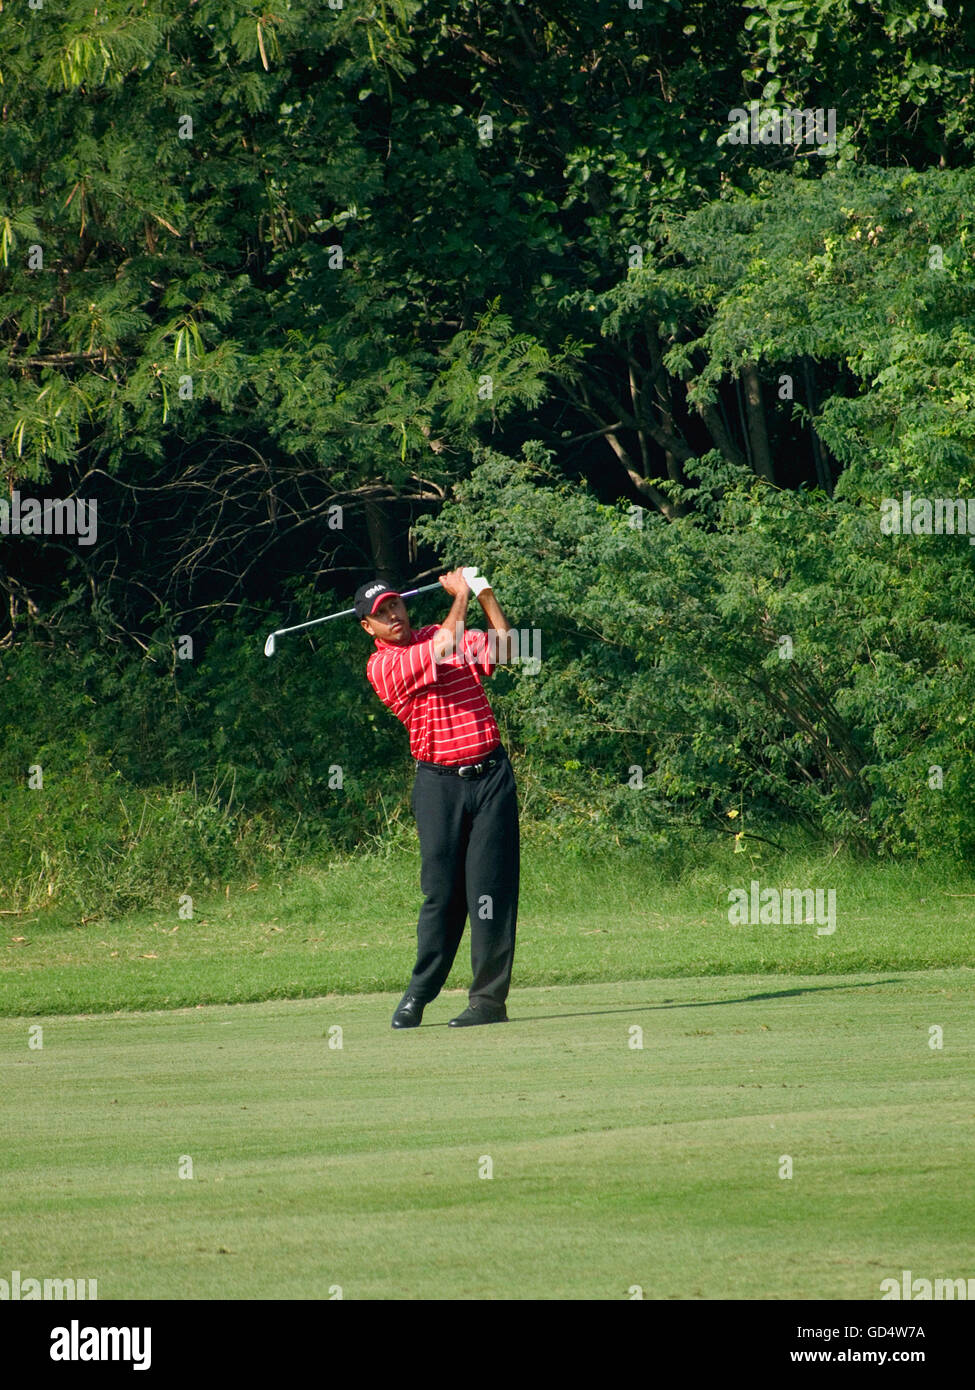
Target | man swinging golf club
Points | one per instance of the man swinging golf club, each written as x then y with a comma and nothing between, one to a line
464,795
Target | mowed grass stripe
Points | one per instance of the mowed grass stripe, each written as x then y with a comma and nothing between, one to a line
316,1167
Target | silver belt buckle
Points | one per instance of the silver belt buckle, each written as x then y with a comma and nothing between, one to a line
470,770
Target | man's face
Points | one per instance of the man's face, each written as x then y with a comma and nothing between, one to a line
389,622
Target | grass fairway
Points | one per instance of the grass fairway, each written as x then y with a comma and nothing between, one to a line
614,1166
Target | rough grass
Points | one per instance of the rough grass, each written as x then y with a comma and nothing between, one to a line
349,927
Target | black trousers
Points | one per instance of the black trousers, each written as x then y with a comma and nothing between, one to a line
470,853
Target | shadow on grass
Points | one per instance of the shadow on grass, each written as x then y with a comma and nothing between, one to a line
691,1004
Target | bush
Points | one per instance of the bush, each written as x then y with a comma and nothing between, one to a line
770,660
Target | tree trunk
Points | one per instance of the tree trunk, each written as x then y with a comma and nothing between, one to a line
757,432
381,541
823,475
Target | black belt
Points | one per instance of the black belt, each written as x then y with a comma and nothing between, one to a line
466,770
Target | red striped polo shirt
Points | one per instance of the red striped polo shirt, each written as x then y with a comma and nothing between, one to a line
442,704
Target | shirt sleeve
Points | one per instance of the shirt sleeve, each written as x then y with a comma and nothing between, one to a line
478,651
397,676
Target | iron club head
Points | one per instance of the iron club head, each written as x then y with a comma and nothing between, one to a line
269,646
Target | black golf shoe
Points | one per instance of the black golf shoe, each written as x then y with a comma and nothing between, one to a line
480,1013
409,1012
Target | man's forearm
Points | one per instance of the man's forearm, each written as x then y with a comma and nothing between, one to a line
446,640
498,625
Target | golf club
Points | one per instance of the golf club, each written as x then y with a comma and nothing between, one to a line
345,613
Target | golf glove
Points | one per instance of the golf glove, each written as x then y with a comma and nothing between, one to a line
476,582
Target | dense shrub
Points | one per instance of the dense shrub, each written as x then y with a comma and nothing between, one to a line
770,660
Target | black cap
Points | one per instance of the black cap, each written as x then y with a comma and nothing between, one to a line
370,595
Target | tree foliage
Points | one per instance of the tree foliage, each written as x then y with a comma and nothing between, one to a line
272,278
773,657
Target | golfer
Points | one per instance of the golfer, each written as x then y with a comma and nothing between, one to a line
464,795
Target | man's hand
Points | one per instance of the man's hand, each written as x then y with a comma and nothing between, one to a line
455,583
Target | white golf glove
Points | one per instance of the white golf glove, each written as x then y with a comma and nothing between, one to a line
476,582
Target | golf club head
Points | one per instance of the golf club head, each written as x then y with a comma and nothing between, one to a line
269,646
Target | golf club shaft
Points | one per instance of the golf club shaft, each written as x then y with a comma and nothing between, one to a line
347,612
